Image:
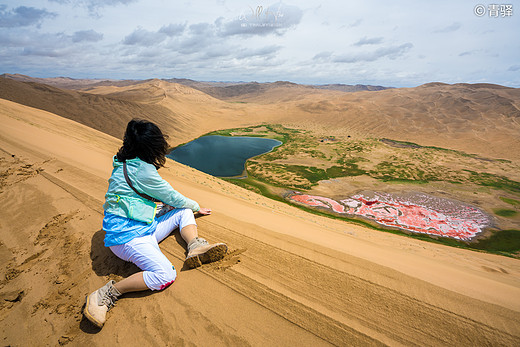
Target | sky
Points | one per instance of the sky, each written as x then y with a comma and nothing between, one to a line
399,43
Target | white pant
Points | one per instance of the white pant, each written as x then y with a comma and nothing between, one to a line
158,271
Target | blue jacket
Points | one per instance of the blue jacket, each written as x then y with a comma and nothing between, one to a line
122,201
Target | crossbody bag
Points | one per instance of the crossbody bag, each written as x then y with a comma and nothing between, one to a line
143,195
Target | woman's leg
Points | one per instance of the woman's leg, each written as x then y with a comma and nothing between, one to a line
133,283
199,250
158,272
189,233
181,218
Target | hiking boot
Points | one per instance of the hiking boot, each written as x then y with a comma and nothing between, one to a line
201,252
99,302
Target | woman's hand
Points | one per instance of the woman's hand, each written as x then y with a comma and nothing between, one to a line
205,211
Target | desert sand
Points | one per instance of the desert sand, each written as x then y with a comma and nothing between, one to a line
290,277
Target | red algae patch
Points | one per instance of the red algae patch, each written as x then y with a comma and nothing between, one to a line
415,212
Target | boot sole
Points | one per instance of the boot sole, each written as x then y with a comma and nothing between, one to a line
211,255
89,316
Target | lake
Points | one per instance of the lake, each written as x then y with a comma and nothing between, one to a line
222,156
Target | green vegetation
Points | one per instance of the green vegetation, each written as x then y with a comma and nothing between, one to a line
401,172
504,242
510,201
494,181
505,212
297,176
253,185
406,144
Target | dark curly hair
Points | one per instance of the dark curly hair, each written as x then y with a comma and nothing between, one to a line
144,140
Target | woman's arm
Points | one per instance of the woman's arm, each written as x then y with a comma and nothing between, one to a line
150,182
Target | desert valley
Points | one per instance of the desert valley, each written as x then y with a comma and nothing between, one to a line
387,216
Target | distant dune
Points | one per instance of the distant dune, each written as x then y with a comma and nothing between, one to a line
350,88
67,82
109,115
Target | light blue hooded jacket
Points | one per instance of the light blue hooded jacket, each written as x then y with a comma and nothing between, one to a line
121,200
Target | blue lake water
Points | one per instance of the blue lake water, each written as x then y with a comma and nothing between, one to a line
222,156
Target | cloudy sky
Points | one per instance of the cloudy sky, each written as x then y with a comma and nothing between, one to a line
392,43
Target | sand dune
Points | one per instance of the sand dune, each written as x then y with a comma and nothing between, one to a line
67,82
181,111
480,119
291,278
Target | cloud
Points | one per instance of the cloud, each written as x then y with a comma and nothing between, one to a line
352,25
369,41
45,52
87,35
19,38
142,37
173,29
267,51
275,19
28,38
94,6
23,44
356,23
216,52
322,56
472,52
23,16
199,37
392,52
94,3
201,29
514,68
449,28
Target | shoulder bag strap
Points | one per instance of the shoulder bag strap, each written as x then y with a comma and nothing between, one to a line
143,195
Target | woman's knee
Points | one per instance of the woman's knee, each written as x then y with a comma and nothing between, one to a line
166,277
160,278
187,218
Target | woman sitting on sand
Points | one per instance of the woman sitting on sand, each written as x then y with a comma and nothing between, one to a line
132,226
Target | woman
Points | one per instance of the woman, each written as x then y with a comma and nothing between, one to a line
133,227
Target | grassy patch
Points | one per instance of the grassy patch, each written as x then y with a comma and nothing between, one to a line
494,181
299,176
503,212
348,169
510,201
501,241
401,172
406,144
404,180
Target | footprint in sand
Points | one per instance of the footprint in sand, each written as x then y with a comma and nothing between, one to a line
230,259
